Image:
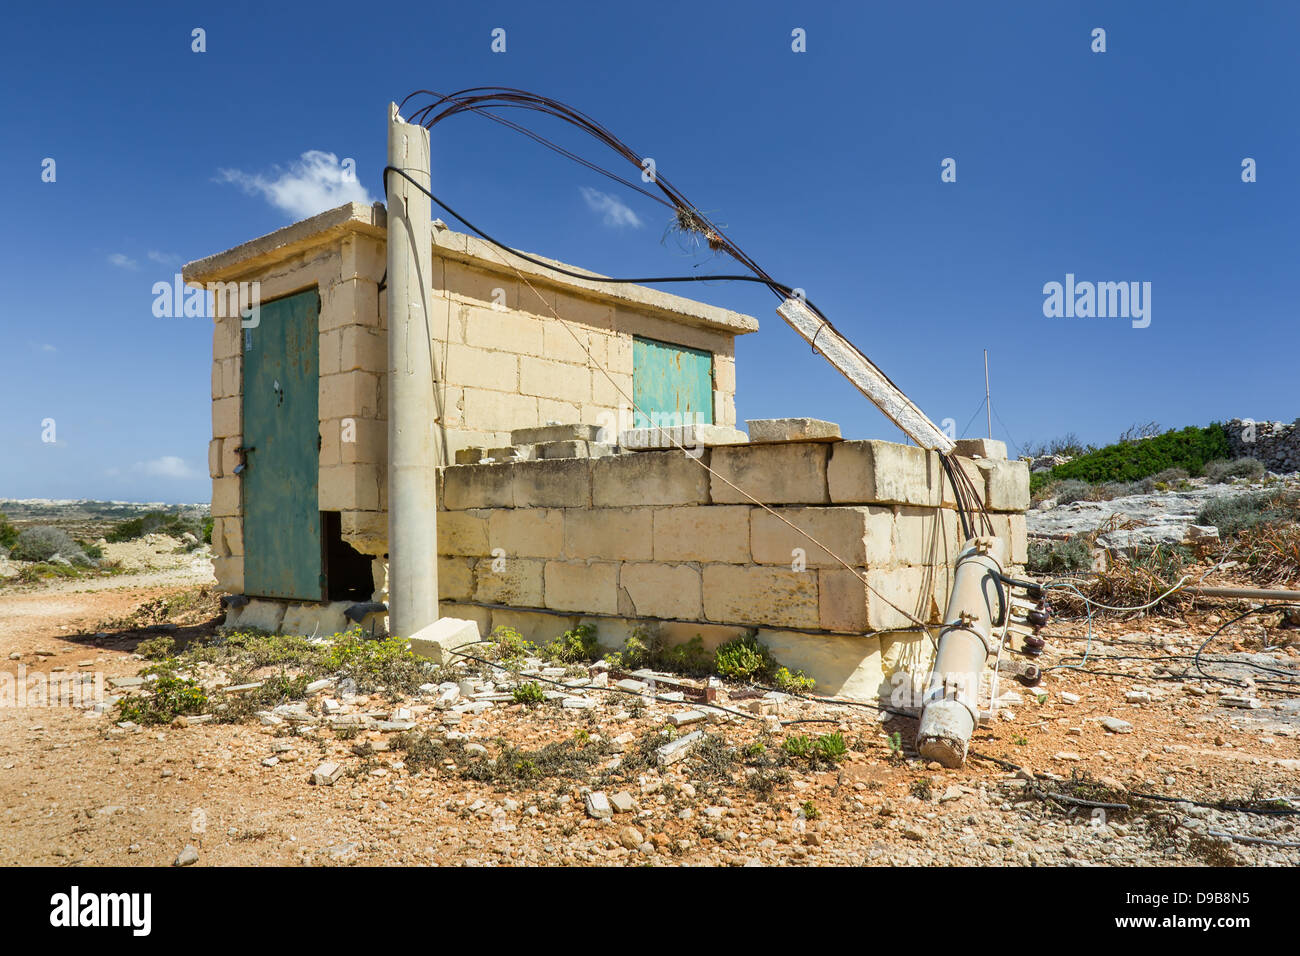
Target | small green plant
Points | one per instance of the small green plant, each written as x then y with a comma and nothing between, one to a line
1221,472
156,648
797,746
510,647
528,694
743,658
578,644
830,747
1020,741
168,697
1072,554
809,810
792,682
922,789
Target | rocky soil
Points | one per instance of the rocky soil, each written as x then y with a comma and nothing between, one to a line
577,780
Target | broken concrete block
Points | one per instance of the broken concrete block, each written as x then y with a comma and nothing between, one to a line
1247,703
259,614
680,436
769,430
551,433
981,448
469,456
672,752
439,640
687,717
597,805
622,802
327,774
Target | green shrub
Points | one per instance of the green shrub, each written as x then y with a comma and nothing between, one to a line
166,698
374,665
1239,513
42,543
1072,554
1069,491
157,522
8,533
156,648
1221,472
1189,449
745,658
642,649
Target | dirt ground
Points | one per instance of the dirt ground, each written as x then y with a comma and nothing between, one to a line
77,789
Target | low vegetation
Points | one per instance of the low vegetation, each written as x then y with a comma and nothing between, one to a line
1189,450
743,658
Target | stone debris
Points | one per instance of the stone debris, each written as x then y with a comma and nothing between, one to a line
438,641
1245,703
1117,726
327,774
771,430
687,717
674,751
598,805
187,857
622,802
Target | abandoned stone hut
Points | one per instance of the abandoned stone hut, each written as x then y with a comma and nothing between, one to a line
557,505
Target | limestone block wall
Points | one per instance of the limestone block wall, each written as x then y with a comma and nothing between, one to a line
519,348
503,360
653,539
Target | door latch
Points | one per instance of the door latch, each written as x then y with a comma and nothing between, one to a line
243,452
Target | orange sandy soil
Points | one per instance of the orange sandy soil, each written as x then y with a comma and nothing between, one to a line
78,790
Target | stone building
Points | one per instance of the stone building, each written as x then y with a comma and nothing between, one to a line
547,517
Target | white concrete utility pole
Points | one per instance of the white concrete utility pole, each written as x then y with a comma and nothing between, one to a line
412,472
870,381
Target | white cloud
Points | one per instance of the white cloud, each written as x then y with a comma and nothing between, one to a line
313,183
163,258
123,262
168,466
615,212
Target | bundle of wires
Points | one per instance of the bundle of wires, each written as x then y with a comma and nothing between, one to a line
433,108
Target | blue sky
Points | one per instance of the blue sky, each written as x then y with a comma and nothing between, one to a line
823,165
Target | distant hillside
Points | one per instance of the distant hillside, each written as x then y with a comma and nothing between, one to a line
88,520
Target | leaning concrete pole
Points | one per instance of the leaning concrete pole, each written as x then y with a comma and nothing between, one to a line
412,473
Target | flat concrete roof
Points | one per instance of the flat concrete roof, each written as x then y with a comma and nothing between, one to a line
333,225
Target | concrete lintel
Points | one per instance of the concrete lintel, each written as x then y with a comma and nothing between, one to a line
326,227
295,239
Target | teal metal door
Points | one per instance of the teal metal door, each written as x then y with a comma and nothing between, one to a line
282,523
671,384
